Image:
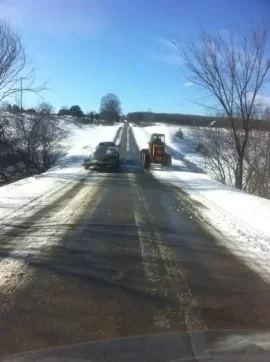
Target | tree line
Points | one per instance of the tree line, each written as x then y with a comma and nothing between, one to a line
30,139
198,121
110,110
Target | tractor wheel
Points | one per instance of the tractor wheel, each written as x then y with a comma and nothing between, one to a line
146,161
168,161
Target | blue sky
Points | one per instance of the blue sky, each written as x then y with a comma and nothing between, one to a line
88,48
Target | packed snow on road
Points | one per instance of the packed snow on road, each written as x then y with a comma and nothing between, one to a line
242,218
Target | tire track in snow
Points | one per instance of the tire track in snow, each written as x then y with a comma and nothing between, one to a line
11,231
25,207
46,232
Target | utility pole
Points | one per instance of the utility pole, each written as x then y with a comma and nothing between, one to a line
21,95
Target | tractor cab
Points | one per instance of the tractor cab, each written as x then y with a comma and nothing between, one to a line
157,139
157,143
156,152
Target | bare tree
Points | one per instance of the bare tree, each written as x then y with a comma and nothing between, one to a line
30,144
219,158
257,164
45,107
110,108
51,133
16,73
233,69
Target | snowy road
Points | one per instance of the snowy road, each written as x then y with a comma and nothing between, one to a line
114,255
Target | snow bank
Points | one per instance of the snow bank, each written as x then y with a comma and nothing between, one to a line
243,218
34,191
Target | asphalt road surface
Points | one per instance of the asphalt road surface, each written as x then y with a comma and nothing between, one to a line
131,258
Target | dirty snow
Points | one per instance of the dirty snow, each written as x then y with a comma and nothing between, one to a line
242,218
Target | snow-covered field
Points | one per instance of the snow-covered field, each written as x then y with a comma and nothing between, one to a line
242,218
33,191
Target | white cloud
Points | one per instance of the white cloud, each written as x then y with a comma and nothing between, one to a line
188,84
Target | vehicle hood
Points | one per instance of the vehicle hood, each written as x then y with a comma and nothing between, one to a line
199,346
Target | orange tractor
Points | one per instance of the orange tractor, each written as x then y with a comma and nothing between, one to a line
156,153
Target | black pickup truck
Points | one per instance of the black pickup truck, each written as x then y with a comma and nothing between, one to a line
103,157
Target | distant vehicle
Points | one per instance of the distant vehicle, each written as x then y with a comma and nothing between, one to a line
179,134
156,153
104,157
